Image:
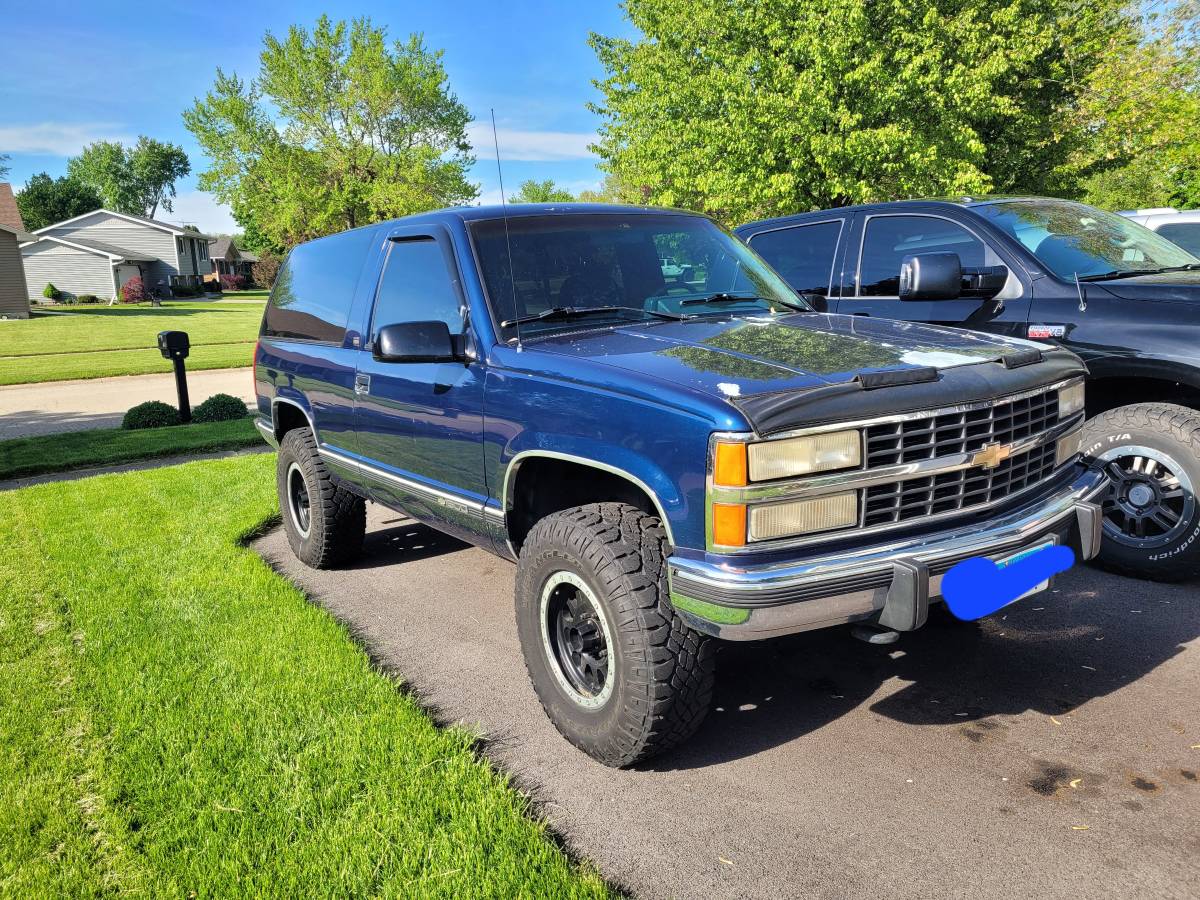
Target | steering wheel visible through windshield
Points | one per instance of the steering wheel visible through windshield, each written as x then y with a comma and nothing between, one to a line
1073,239
620,266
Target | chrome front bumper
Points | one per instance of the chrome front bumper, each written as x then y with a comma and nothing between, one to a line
890,583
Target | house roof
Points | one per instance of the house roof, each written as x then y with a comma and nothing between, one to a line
247,256
115,253
218,247
10,215
153,223
21,236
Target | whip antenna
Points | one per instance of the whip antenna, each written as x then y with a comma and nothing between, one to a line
512,277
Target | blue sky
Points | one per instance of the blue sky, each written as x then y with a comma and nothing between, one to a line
78,72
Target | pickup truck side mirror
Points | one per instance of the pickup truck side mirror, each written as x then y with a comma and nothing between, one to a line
416,342
931,276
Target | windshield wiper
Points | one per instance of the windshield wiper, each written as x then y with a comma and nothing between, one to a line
723,297
1131,273
573,312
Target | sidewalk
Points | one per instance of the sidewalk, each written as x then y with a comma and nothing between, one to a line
55,406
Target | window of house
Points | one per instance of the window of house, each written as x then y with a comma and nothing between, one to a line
891,238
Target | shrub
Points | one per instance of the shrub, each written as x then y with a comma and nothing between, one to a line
233,283
152,414
134,290
87,298
220,408
185,290
51,292
265,270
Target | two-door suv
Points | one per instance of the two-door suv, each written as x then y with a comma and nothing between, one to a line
1122,297
669,457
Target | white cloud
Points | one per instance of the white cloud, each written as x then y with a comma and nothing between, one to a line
530,146
202,210
58,138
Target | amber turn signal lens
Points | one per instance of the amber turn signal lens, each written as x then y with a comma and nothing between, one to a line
729,524
729,466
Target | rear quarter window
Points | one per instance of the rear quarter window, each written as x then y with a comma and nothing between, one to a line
1185,234
315,287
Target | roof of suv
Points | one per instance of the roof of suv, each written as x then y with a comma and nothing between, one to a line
934,202
518,210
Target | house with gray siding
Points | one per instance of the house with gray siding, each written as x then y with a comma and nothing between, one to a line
14,297
96,253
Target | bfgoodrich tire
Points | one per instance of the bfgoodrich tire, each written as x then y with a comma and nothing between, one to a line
1151,454
617,672
324,523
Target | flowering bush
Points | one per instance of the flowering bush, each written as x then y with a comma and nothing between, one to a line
133,291
233,282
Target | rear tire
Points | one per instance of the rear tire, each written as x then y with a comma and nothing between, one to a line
1151,453
617,671
325,523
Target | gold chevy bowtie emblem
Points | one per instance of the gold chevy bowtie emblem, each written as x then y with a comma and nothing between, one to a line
991,455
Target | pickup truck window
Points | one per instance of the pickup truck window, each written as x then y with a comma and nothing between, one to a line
1185,234
1073,239
889,239
416,287
613,260
803,254
315,286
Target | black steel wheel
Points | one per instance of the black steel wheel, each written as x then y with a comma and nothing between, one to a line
577,638
324,522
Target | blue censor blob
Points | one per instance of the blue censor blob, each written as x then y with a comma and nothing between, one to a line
978,587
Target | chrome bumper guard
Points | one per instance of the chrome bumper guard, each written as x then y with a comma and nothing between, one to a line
889,583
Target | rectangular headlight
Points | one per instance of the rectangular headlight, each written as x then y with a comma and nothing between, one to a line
796,517
805,455
1068,447
1070,400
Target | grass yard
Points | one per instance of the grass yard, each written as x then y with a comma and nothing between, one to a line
180,721
22,457
96,341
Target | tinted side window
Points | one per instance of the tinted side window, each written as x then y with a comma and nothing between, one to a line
891,238
1185,234
315,287
802,255
417,287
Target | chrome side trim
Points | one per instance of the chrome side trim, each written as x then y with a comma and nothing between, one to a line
420,490
267,431
515,462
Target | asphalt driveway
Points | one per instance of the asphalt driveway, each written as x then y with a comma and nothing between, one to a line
1053,751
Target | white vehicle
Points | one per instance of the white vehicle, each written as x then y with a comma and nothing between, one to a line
1181,227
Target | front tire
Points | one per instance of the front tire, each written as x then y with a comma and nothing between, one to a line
325,523
617,671
1151,454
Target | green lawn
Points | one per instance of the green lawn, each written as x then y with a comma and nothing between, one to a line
180,721
21,457
91,342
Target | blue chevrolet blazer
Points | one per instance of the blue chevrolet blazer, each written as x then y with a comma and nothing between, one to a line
673,446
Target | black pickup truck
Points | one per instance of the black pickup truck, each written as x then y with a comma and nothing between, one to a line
1117,294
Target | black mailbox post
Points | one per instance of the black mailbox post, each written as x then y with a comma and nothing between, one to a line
174,345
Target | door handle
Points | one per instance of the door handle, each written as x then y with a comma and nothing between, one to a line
864,315
362,385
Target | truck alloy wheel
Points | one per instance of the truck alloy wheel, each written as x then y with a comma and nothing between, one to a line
1151,455
620,675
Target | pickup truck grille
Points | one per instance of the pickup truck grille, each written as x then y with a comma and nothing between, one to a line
895,443
900,501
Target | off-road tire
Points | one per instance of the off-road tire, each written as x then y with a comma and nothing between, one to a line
337,518
662,670
1174,432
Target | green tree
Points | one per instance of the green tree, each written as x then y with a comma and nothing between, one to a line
45,200
540,192
751,108
4,167
136,180
613,190
339,129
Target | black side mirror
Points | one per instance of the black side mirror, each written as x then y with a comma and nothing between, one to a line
931,276
416,342
985,281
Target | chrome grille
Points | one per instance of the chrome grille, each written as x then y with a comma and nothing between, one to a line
895,443
900,501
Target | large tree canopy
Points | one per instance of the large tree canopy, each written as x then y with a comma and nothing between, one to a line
136,180
751,108
339,129
45,200
533,191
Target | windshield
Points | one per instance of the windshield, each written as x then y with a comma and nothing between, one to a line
634,265
1072,238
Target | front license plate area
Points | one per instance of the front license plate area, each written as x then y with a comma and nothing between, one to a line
1006,561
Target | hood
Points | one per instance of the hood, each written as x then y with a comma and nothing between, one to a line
744,356
1171,286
